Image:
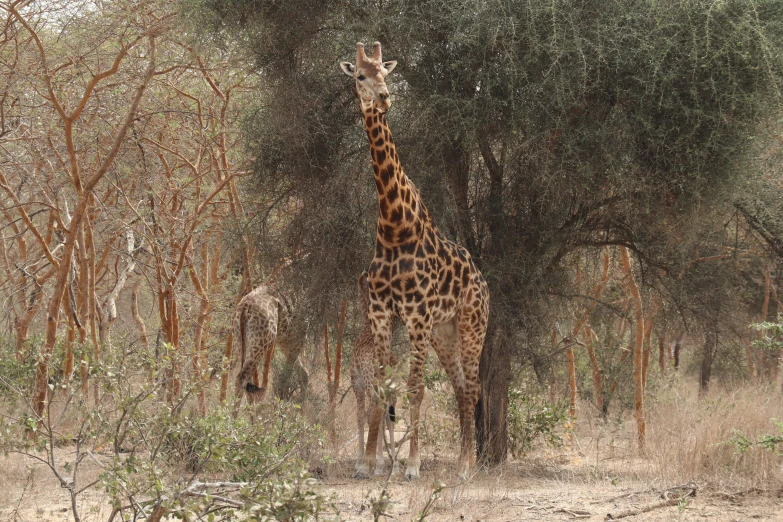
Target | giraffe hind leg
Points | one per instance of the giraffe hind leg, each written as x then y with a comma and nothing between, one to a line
380,465
361,417
472,331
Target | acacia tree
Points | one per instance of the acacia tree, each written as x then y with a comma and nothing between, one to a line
531,128
62,80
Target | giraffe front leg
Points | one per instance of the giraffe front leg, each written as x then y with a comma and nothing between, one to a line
368,460
381,450
420,342
381,330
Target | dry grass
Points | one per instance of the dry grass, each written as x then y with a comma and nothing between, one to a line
687,435
688,438
598,470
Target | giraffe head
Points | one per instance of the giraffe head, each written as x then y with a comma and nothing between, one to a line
370,75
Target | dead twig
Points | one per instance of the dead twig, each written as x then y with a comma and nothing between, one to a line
618,497
575,513
656,505
751,491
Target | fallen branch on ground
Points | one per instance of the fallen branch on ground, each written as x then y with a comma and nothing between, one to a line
656,505
576,513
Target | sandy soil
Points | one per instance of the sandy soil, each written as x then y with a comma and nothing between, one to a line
547,488
528,491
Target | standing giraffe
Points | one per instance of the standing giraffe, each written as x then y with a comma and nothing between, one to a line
418,275
260,321
362,373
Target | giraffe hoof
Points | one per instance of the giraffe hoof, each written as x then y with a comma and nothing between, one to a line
412,470
362,472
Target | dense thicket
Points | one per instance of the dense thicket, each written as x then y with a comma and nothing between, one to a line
534,129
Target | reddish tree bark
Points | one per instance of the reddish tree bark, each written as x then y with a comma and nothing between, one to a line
638,348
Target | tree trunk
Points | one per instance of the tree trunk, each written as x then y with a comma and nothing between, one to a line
571,369
765,358
22,324
638,348
649,321
226,371
137,316
457,162
594,294
590,340
492,408
70,336
662,353
329,387
552,374
676,354
707,356
205,307
334,385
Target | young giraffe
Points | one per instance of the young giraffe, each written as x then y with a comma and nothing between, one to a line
260,320
362,374
417,275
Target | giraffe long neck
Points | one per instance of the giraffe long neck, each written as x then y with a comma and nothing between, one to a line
402,216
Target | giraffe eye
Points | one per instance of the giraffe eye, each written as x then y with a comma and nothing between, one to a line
360,78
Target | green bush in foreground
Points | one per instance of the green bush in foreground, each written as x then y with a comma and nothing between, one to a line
158,461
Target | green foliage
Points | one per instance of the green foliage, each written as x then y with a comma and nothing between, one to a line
16,377
619,122
773,335
530,417
281,440
768,442
156,456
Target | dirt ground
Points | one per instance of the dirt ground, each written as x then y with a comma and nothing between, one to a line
553,492
554,487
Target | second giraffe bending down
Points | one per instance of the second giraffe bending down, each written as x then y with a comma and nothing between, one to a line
260,320
418,275
362,375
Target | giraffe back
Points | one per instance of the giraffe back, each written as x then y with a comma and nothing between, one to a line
255,328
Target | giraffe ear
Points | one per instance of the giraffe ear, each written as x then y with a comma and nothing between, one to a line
389,66
347,68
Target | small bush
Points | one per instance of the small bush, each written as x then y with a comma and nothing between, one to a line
280,440
530,417
768,442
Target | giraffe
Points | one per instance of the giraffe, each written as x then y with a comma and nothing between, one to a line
260,320
362,374
417,275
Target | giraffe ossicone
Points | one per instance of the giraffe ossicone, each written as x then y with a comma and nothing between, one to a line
418,275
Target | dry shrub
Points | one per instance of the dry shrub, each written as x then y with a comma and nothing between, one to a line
689,436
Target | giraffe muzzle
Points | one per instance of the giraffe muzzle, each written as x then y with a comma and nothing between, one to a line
383,101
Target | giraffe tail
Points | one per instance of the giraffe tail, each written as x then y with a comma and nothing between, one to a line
392,414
